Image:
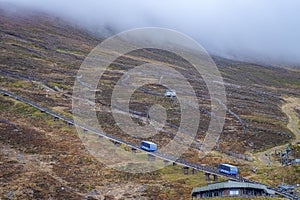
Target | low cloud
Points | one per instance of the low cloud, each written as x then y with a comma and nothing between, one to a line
265,31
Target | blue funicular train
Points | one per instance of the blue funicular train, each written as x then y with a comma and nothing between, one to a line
228,169
148,146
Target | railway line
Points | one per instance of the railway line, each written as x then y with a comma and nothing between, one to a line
123,82
159,155
30,78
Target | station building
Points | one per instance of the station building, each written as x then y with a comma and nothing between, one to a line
231,189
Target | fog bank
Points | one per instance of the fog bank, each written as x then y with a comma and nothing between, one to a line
266,31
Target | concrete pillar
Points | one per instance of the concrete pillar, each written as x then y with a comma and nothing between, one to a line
70,125
133,150
215,177
166,162
117,144
207,176
55,119
85,131
174,164
194,171
186,170
151,158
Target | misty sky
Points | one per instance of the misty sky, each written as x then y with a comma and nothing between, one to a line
264,30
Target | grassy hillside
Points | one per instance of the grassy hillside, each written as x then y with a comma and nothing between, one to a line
40,158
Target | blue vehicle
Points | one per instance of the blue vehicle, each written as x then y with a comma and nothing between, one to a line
228,169
148,146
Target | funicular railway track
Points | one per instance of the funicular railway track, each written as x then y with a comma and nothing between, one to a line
165,157
30,78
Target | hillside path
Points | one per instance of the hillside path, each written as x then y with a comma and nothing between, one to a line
293,125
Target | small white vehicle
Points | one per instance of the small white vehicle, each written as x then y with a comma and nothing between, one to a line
170,93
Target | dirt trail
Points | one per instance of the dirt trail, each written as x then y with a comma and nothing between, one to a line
289,110
293,125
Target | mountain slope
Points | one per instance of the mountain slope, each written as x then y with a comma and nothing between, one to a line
39,59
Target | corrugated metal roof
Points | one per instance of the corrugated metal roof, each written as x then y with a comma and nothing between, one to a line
228,165
232,184
148,142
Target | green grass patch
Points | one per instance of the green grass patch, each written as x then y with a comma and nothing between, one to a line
24,109
175,174
60,86
18,84
70,51
263,119
5,104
